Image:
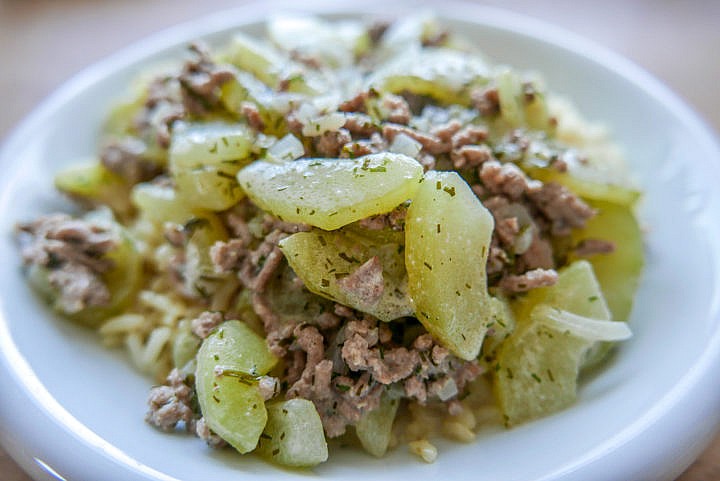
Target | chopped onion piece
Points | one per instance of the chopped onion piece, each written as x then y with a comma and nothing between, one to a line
580,326
286,149
404,144
324,123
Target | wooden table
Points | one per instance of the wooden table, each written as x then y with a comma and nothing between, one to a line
42,43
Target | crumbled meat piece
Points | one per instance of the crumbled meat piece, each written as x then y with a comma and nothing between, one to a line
360,125
125,157
529,280
277,332
73,251
396,109
394,220
355,104
201,80
469,156
227,256
204,324
203,432
447,131
358,148
538,255
79,288
497,259
327,320
175,234
365,285
469,135
431,143
507,179
507,230
171,403
163,106
591,247
331,143
251,112
486,101
563,208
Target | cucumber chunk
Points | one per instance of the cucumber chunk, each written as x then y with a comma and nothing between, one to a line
447,238
293,435
228,364
331,193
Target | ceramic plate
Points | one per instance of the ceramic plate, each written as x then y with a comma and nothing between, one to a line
70,409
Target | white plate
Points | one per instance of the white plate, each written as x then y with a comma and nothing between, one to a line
70,409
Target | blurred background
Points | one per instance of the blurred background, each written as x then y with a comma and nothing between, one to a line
44,42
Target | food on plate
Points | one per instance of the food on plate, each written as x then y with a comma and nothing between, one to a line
350,231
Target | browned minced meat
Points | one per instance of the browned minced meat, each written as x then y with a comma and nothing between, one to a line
125,158
486,101
507,179
204,324
365,285
357,148
203,432
360,125
201,80
163,106
529,280
331,143
73,251
171,403
252,114
564,209
591,247
395,220
345,372
431,143
396,108
356,103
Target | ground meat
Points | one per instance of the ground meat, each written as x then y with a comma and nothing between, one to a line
124,157
171,403
227,256
539,255
486,101
360,125
564,209
331,143
201,80
395,109
355,104
73,251
358,148
394,220
529,280
203,432
446,131
204,324
591,247
507,179
163,106
365,285
251,112
431,143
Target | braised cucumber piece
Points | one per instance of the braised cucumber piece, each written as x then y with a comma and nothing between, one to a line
557,329
330,193
447,238
93,182
228,364
619,271
204,159
339,265
375,428
293,435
